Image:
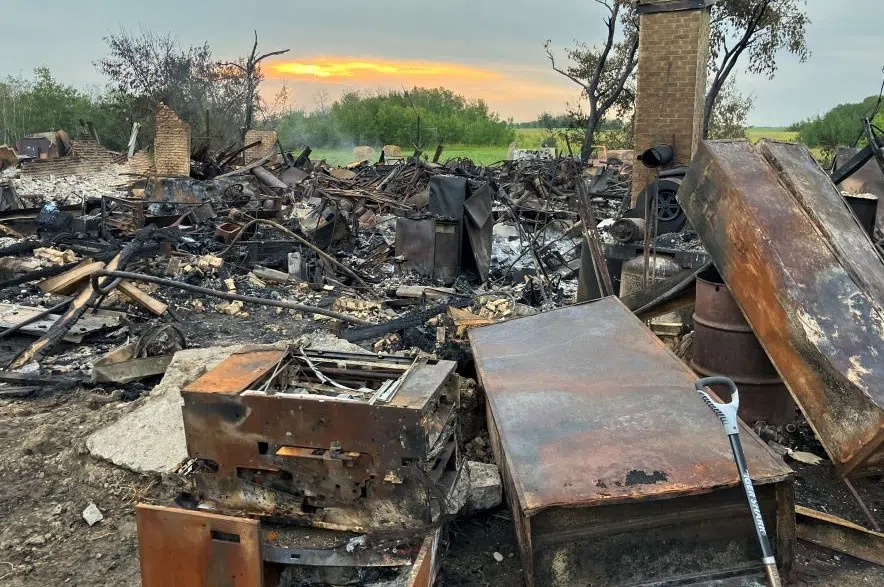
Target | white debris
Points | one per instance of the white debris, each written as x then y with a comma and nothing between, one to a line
92,514
357,542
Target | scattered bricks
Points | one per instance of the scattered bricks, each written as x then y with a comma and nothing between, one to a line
210,262
232,309
56,257
344,304
171,144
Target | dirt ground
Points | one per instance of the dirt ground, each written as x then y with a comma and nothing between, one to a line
48,478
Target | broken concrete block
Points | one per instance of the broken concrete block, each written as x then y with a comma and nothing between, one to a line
486,490
92,514
151,438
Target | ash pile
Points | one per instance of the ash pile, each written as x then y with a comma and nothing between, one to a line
333,304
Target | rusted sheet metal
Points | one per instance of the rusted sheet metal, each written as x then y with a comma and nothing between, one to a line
808,281
237,372
606,452
724,344
427,563
592,409
830,213
196,549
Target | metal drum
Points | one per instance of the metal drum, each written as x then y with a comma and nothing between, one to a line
662,267
724,344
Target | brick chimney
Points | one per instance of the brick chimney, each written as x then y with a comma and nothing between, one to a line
171,146
673,48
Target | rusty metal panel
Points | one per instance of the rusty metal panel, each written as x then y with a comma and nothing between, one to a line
427,563
237,372
195,549
808,281
840,535
602,441
592,409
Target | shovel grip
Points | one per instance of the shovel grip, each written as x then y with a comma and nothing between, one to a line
701,384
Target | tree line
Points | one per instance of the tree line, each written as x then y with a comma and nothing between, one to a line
841,126
220,99
415,119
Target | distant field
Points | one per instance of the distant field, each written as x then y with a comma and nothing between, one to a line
526,138
757,133
480,155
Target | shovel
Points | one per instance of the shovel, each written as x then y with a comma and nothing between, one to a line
727,413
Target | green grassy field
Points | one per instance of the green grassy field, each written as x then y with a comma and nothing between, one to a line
527,138
756,133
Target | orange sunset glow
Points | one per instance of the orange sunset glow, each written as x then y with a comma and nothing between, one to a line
350,69
521,93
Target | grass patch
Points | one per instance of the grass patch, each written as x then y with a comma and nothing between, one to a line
479,154
526,138
756,133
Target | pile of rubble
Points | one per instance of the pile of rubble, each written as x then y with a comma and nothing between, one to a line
339,429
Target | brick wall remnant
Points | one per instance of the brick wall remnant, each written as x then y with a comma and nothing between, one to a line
673,47
171,147
267,146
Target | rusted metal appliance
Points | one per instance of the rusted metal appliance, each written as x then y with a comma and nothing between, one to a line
332,440
187,548
808,280
724,344
616,474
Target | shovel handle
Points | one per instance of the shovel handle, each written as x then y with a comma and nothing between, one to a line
727,413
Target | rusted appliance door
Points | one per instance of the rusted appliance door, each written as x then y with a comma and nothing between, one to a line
184,548
808,280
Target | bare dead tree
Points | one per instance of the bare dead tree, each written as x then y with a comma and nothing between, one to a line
603,72
251,70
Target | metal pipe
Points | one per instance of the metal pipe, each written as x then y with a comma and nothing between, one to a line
121,275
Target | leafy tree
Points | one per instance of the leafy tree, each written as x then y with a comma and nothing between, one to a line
42,104
760,29
147,69
417,117
603,72
731,113
840,126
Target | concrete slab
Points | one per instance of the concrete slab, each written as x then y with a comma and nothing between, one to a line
150,439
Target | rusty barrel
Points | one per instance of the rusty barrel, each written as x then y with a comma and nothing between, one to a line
724,344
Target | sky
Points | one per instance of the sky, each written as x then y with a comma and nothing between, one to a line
490,49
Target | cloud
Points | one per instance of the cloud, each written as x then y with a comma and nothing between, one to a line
374,70
519,92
